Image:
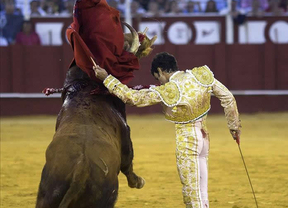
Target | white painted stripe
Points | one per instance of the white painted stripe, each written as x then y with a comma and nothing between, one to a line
28,95
259,92
58,95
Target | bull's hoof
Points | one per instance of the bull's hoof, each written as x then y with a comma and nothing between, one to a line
138,183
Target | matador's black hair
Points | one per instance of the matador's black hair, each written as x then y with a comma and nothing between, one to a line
165,61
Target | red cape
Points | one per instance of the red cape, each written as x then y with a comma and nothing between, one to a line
96,31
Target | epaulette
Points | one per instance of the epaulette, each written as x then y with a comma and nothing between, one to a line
203,75
169,93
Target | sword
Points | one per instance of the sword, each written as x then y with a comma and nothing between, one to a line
238,142
95,65
93,61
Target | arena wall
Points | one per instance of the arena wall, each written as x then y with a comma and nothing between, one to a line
239,67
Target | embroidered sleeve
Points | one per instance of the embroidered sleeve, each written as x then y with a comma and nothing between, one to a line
169,93
203,75
139,98
229,104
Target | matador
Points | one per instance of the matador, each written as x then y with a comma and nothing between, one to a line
185,96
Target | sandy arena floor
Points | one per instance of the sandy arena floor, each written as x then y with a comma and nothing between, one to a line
264,145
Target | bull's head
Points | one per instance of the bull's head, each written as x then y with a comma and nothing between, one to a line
132,44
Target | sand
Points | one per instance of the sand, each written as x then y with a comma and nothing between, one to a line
264,143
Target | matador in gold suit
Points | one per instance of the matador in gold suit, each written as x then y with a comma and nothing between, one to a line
185,96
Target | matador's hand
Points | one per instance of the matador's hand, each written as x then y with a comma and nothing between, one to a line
100,73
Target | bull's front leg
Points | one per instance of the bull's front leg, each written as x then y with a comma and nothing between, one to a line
134,181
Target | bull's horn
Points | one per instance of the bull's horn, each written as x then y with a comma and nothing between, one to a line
134,45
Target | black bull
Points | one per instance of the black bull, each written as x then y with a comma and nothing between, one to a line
90,146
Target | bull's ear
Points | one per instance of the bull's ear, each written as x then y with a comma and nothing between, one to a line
128,37
126,46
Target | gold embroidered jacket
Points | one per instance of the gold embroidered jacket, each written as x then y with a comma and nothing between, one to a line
185,98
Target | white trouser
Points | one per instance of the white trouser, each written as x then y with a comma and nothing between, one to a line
192,148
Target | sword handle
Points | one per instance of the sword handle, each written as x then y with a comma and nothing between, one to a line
236,136
237,139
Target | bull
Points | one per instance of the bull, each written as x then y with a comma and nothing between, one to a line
90,147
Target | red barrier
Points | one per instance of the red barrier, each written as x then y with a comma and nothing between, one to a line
240,67
30,69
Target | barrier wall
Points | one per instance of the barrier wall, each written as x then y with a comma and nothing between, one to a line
239,67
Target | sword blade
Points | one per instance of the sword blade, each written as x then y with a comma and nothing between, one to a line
93,61
248,175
